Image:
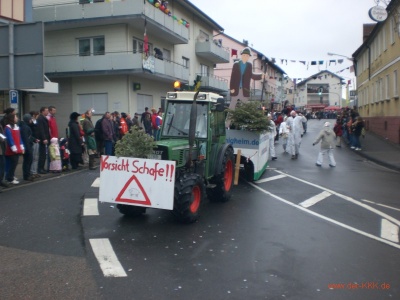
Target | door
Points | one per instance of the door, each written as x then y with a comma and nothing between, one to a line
144,101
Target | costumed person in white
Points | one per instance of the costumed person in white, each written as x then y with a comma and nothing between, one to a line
284,134
271,138
295,125
327,137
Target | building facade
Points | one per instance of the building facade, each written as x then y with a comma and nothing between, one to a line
319,91
123,55
271,90
378,70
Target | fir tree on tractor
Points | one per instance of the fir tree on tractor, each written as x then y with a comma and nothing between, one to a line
249,116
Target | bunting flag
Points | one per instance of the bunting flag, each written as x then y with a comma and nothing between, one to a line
234,52
146,44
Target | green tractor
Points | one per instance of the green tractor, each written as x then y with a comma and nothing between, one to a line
193,135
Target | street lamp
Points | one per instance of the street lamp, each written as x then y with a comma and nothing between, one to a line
332,54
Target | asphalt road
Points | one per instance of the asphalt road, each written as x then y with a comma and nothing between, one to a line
300,232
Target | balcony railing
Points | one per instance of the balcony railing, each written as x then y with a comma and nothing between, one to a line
122,63
214,83
212,52
132,12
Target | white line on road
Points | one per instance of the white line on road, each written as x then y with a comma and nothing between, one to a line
313,200
96,183
107,259
389,231
347,198
270,178
326,218
90,207
383,205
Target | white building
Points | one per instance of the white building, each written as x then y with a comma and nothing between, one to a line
95,51
319,91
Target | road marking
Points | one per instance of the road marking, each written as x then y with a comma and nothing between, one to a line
389,231
107,259
96,183
383,205
90,207
313,200
347,198
326,218
270,178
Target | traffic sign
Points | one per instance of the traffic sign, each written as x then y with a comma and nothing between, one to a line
13,97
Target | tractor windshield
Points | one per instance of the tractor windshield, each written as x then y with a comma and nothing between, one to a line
177,119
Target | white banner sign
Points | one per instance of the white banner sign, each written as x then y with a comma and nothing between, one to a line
137,181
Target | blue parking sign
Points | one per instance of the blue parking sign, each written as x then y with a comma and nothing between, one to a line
13,97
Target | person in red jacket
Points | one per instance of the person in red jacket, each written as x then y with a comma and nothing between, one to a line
14,146
123,125
52,122
154,126
338,129
278,121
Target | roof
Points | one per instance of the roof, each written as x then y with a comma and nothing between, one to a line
315,76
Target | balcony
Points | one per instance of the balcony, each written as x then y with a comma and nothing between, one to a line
113,63
214,83
212,52
132,12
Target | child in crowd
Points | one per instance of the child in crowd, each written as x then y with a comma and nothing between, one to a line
284,133
64,153
55,159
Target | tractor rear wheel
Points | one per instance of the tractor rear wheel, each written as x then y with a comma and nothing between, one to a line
130,210
188,198
223,181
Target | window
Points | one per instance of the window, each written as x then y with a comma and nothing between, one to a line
203,37
387,87
185,62
91,46
167,54
84,47
384,42
392,25
97,101
138,46
98,46
204,70
395,83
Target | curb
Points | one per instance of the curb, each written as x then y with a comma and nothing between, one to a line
378,161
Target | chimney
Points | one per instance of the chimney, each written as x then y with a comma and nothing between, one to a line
367,29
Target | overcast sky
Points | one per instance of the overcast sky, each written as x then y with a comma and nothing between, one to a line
303,30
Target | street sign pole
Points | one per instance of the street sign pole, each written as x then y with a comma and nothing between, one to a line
11,55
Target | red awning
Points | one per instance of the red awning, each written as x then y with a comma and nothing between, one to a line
332,107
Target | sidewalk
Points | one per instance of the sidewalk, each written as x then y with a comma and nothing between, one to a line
380,151
18,174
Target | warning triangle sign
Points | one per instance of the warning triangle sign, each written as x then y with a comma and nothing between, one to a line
133,192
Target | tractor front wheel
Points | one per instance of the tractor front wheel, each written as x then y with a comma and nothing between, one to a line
188,198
